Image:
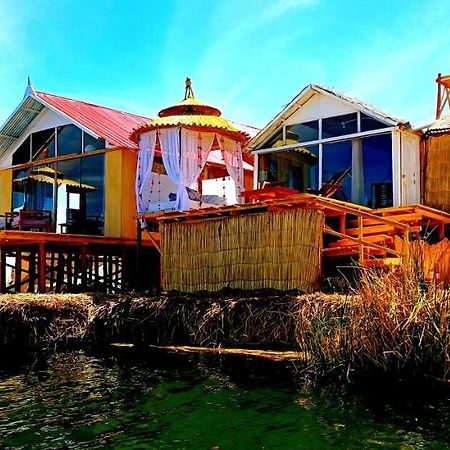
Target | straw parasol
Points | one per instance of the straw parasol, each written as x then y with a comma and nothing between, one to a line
46,174
194,115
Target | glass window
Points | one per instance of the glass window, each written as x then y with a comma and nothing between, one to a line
302,132
22,154
69,140
336,159
369,123
33,188
339,125
377,172
18,189
295,169
275,141
91,143
43,144
93,184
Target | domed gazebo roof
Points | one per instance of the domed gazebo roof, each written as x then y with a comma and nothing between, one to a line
194,115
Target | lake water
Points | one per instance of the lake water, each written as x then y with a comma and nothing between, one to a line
76,401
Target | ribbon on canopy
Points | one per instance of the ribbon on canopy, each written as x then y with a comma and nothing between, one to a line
144,177
232,156
184,154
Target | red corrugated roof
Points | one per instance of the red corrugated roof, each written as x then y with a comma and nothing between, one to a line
112,125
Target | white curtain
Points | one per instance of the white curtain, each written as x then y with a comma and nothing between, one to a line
184,154
232,155
144,177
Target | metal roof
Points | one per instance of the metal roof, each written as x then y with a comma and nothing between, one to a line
28,109
110,124
441,125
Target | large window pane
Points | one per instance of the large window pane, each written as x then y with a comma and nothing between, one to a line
33,188
69,140
302,132
339,125
91,143
336,159
275,141
71,207
369,123
295,169
43,144
93,176
377,159
22,154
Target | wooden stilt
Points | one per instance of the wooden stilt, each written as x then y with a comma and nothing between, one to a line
2,270
52,271
41,271
31,271
18,270
84,267
60,272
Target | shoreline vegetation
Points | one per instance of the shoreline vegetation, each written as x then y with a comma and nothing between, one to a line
392,324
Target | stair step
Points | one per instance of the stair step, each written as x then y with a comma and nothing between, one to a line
374,239
403,218
380,229
382,262
351,251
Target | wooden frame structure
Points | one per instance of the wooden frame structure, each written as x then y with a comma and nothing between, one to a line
370,235
443,94
41,262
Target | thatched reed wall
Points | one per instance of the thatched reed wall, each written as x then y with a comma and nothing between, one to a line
280,250
437,173
433,260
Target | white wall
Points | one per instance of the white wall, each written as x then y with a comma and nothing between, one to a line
320,105
410,168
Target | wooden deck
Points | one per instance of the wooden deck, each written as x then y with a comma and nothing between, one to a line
41,262
371,236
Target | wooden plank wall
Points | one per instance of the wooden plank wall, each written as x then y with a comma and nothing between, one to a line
280,250
437,173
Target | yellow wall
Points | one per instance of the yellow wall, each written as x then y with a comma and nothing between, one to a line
120,203
129,161
5,191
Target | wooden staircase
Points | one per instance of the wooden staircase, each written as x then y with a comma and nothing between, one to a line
377,237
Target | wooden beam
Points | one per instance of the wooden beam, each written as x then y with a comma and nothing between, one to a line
41,271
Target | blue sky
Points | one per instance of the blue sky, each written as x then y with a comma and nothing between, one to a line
248,57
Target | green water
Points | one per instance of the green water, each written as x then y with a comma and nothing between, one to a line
72,400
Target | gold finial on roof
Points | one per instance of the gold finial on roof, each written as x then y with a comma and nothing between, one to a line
188,91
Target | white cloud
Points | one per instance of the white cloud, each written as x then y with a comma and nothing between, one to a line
280,7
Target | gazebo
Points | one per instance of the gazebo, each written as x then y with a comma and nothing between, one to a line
184,135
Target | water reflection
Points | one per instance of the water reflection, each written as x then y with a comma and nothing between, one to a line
72,400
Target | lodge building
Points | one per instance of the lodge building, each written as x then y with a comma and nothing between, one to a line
92,198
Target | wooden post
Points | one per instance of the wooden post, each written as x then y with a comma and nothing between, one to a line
41,271
31,271
138,254
60,271
342,223
69,260
84,267
18,270
52,270
2,270
360,237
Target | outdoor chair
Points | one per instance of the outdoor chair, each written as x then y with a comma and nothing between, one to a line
333,185
29,220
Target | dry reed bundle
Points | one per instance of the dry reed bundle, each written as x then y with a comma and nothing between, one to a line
266,319
279,250
35,320
437,173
